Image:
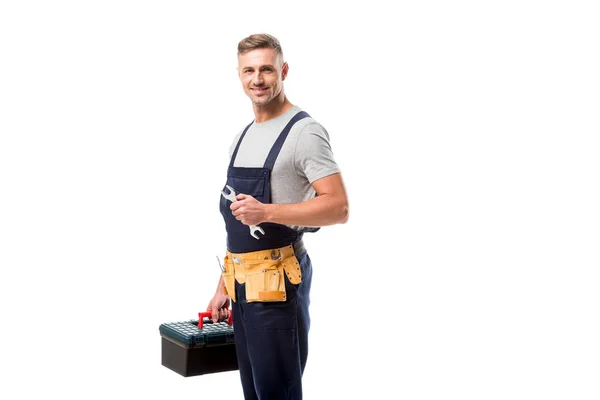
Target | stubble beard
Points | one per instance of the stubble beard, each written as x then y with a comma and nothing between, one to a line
261,102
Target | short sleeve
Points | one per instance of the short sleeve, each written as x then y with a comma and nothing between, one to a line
313,157
234,143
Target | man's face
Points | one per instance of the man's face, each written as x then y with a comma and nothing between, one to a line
262,73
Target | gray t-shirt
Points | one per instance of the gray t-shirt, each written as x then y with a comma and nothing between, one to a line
305,157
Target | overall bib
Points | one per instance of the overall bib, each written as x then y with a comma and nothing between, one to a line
271,337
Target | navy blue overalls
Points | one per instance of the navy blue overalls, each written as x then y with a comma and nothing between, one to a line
271,337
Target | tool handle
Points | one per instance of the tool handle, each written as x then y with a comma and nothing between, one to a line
202,315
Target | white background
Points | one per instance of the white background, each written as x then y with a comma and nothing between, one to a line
467,136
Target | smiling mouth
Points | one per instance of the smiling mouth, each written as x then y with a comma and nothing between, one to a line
259,90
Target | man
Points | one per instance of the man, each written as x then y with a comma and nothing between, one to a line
287,182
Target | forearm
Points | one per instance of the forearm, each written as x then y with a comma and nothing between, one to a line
220,285
322,210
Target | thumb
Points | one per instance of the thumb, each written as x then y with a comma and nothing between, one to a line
241,196
215,313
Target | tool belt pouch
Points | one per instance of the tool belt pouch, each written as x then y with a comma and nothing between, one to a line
265,281
229,278
292,269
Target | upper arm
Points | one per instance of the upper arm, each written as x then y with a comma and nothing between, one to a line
313,157
332,185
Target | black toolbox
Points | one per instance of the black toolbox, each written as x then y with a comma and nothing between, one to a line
198,347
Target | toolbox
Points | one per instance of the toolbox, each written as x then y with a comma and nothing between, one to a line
198,347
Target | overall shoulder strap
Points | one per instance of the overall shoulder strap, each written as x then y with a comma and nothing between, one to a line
272,157
237,147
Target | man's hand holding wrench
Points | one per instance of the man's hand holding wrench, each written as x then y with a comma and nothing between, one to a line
232,197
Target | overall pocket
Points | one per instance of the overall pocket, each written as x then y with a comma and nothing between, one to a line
229,278
265,282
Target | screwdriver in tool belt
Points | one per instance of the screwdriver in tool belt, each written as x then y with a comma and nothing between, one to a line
220,266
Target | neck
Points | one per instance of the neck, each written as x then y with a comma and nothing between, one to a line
276,107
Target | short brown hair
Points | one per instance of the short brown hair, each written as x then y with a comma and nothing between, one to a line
259,41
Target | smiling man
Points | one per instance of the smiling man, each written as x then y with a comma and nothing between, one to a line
287,184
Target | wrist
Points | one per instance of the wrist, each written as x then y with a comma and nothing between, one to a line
268,212
221,291
220,285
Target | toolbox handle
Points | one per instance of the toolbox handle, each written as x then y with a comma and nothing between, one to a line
202,315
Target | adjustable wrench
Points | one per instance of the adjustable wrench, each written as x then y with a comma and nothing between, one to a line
231,197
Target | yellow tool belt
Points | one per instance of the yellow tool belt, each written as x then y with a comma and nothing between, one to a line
262,272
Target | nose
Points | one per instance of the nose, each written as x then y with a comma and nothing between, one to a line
257,79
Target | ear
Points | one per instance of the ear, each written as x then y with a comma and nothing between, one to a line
284,71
